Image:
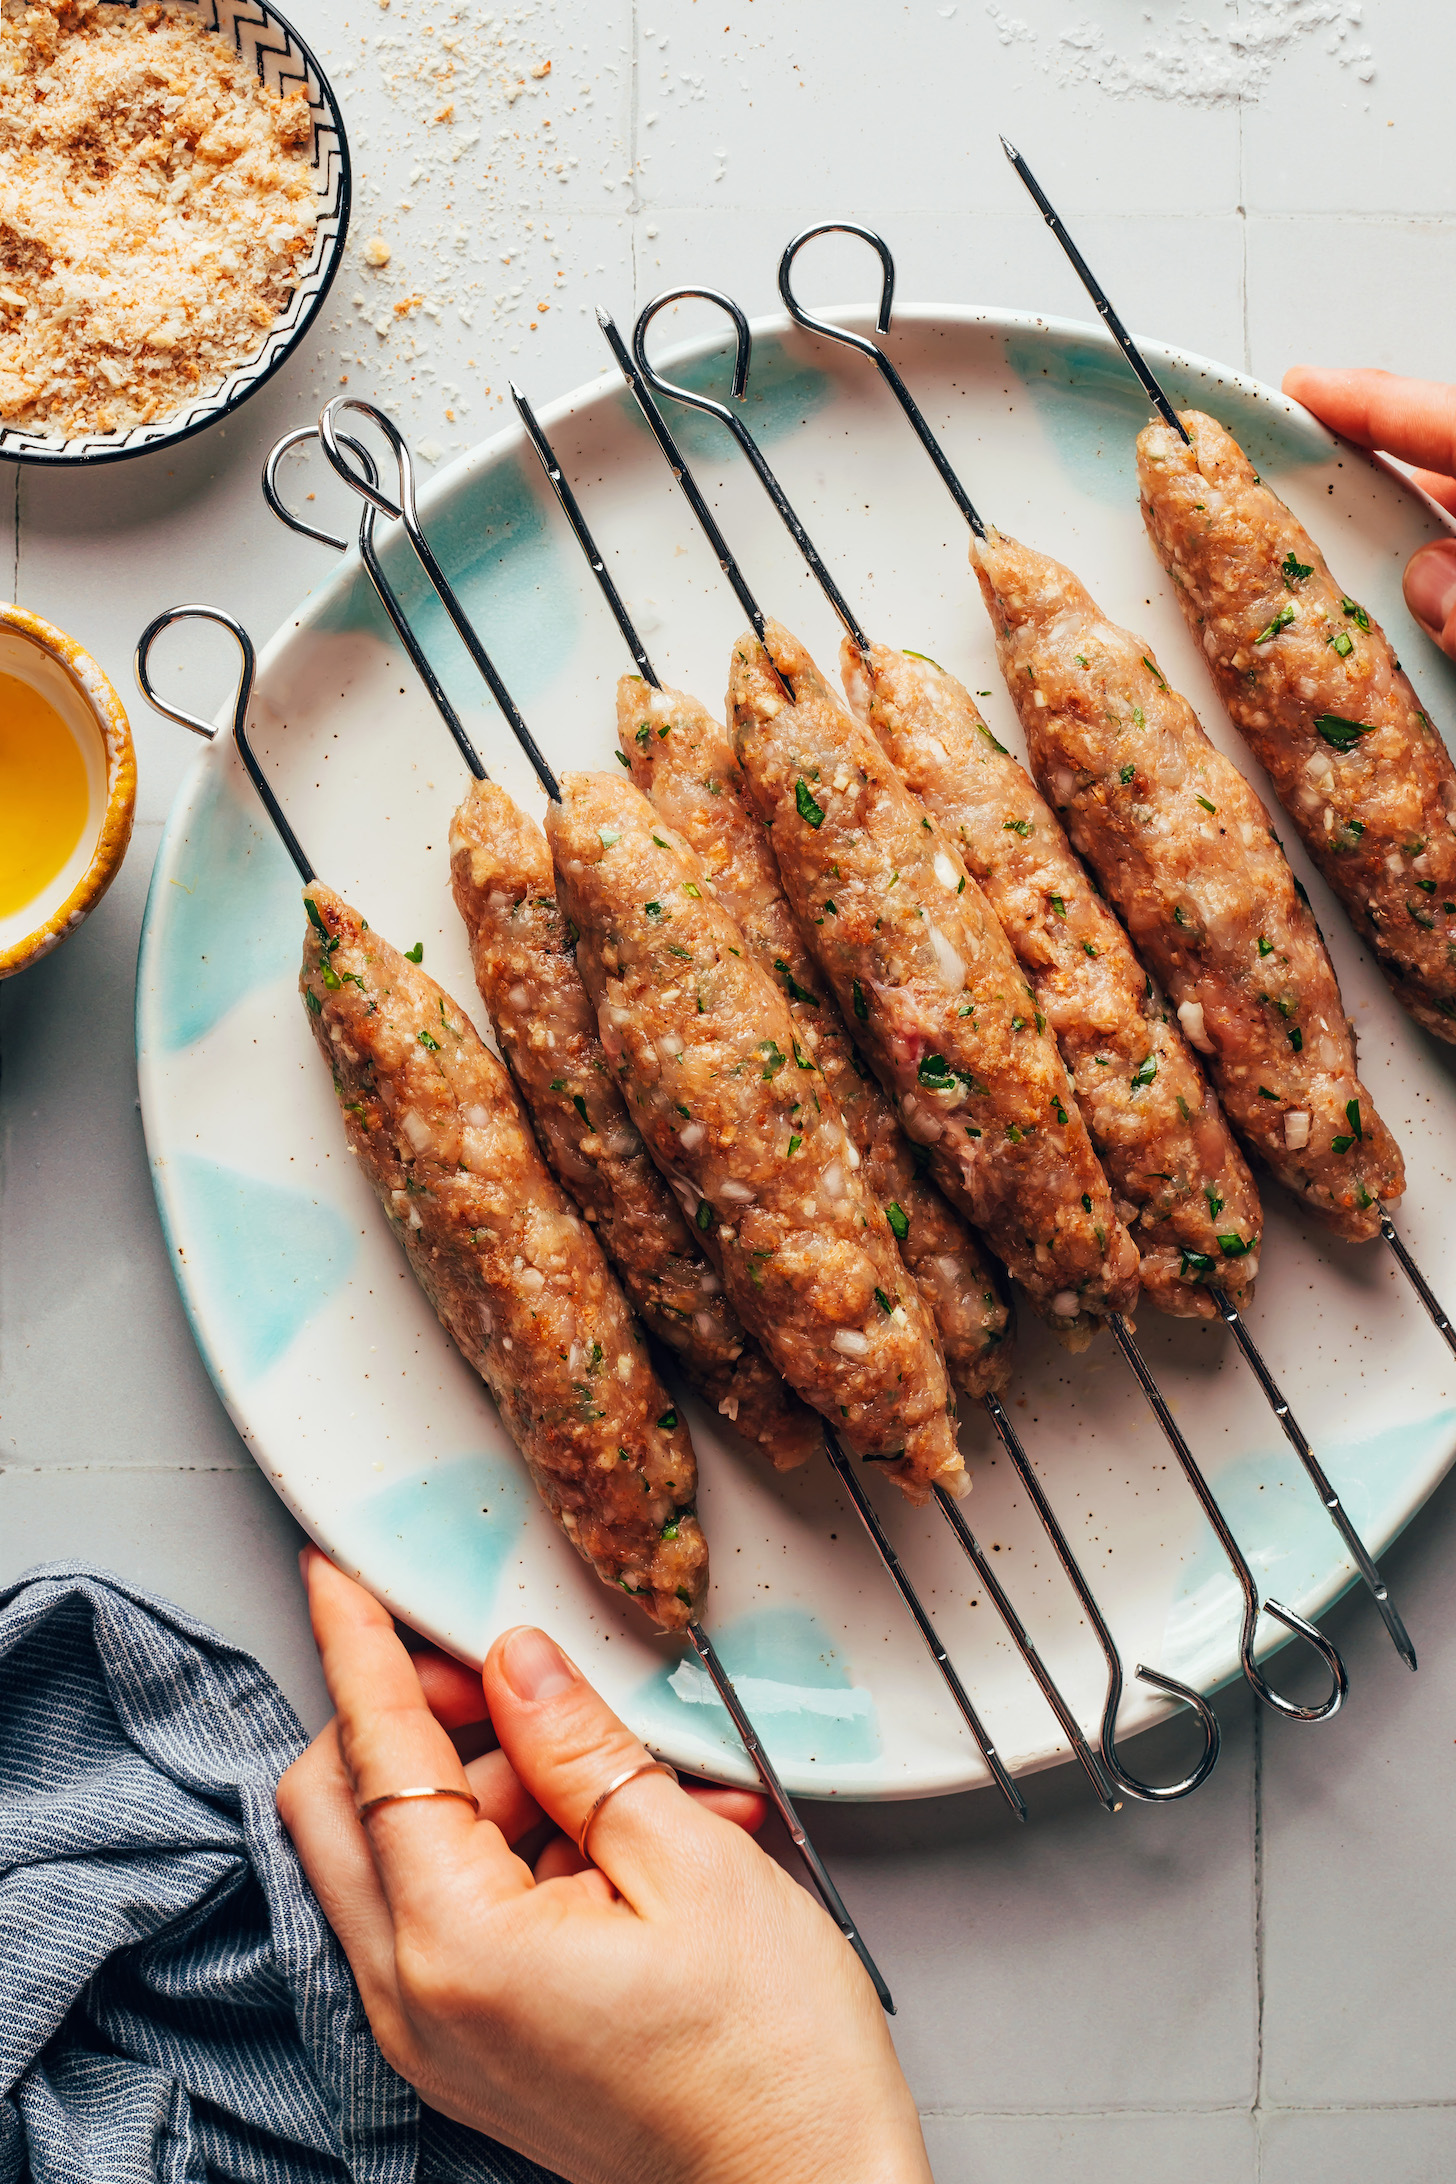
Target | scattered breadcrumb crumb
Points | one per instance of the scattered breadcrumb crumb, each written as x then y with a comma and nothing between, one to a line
155,202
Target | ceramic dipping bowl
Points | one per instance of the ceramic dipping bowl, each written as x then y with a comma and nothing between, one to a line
68,883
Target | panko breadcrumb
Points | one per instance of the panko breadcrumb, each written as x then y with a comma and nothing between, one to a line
155,202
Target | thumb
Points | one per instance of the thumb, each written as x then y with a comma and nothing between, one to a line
1430,591
566,1746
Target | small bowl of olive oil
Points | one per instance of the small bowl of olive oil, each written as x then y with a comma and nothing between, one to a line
67,787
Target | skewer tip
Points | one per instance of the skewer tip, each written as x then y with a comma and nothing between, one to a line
1010,150
604,320
516,394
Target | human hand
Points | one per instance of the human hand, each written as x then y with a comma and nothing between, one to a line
1414,420
678,2012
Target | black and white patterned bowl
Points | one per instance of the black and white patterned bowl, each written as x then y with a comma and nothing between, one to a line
285,64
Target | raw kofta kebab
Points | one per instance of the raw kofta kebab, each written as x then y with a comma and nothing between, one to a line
683,760
1154,829
939,1061
516,1279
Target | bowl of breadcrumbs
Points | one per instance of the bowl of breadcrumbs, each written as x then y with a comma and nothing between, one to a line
174,194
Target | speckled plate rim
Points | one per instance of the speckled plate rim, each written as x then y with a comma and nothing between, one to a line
1193,377
114,832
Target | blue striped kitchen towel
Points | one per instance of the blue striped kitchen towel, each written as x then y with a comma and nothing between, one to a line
173,2005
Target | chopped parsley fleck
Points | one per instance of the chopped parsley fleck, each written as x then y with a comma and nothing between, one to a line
415,954
1234,1247
1017,826
1418,915
1183,1107
1178,917
609,836
1215,1203
925,656
623,760
315,916
883,1302
669,1530
1341,734
985,731
1203,800
1158,677
668,1420
795,1141
704,1215
831,907
1195,1264
898,1220
1266,1094
1088,949
1279,621
426,1041
580,1105
805,1061
1081,659
660,842
1013,1131
1356,613
796,992
691,887
1343,643
1058,1110
1058,905
653,909
936,1073
643,733
808,810
1294,571
1145,1072
315,1006
1126,775
1266,947
861,1006
773,1060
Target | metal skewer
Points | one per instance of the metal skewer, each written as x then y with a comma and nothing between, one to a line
374,501
635,375
366,484
778,1796
949,1507
1170,416
1227,1309
1121,1331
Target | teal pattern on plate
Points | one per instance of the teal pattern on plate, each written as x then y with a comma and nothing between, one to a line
261,1262
1093,410
783,393
795,1687
443,1535
226,922
1278,1520
495,538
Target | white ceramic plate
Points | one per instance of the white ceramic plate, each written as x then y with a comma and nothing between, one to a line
322,1346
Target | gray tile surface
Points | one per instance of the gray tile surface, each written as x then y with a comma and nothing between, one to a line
1258,1985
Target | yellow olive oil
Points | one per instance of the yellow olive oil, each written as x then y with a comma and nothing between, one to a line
43,793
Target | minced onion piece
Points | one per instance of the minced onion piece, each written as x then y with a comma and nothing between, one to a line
952,966
833,1180
692,1137
946,872
477,1116
670,1043
416,1129
1065,1305
739,1193
1296,1130
1190,1016
849,1342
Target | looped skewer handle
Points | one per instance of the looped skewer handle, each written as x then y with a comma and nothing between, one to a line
1294,1433
779,1798
737,426
273,496
1292,1711
208,729
876,355
373,569
1148,1792
367,487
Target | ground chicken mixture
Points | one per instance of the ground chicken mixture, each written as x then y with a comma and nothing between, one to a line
155,204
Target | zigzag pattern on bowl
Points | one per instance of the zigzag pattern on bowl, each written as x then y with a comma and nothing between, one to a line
284,64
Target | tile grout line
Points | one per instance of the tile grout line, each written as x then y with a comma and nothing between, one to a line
634,102
1258,1788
